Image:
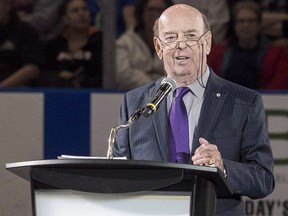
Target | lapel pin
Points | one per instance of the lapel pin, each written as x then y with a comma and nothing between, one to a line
218,94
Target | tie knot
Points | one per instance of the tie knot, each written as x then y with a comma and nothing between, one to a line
182,91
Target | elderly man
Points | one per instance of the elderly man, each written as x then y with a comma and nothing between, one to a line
225,123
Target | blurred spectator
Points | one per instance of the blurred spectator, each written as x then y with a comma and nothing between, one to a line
20,50
136,60
42,15
125,19
22,7
217,13
231,5
275,20
74,58
248,58
125,16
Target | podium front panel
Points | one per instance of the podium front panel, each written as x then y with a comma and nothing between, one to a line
77,185
75,203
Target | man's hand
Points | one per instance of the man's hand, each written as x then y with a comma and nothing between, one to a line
207,154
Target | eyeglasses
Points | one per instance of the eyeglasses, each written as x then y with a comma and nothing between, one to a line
173,42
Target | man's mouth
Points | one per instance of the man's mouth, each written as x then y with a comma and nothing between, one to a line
181,59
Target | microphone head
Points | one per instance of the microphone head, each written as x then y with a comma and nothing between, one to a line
169,81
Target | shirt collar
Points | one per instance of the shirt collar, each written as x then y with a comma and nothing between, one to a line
197,89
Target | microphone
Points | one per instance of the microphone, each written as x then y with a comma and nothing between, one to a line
166,86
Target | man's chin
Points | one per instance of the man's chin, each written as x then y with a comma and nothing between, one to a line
185,79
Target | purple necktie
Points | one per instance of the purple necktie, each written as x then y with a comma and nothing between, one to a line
179,130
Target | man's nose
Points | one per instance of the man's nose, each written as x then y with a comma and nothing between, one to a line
181,44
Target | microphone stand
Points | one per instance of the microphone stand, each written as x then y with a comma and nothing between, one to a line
134,117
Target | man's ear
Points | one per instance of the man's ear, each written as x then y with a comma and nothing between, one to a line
208,42
158,47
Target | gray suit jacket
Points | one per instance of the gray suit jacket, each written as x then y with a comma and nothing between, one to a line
232,117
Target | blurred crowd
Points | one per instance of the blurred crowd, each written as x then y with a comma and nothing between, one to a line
46,43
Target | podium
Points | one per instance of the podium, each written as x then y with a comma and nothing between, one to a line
121,187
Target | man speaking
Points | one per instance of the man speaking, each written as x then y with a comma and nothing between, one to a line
206,120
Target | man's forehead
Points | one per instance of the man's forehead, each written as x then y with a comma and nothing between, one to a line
180,22
182,10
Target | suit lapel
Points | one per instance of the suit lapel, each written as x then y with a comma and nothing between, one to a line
160,122
161,127
214,98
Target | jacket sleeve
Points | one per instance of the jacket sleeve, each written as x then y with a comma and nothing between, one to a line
252,176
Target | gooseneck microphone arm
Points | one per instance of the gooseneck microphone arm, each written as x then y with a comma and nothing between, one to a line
134,117
167,85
